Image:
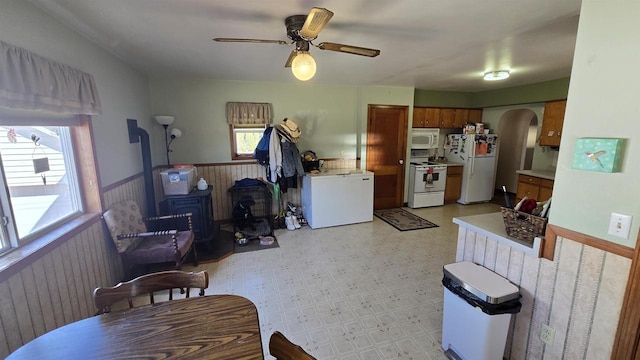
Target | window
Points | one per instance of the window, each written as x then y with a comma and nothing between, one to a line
244,139
39,181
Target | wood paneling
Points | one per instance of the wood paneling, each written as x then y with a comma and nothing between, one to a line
56,288
577,294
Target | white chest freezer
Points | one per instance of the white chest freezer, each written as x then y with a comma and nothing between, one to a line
337,198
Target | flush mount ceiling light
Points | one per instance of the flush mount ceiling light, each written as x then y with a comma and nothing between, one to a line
303,66
496,75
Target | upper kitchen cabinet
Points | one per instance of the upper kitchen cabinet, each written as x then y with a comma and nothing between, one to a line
424,117
475,115
445,118
461,118
552,122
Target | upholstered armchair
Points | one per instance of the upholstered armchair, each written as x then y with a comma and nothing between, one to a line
139,246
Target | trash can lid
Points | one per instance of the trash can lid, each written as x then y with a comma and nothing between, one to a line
482,282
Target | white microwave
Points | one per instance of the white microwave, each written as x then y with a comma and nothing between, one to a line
424,138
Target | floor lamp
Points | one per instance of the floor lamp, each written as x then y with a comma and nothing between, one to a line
165,121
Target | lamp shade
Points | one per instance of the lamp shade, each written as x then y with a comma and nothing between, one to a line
164,119
176,133
303,66
496,75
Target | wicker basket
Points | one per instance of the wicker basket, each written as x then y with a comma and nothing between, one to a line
523,226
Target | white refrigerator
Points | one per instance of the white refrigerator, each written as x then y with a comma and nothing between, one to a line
478,154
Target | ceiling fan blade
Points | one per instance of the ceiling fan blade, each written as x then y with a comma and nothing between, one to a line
261,41
293,54
316,20
350,49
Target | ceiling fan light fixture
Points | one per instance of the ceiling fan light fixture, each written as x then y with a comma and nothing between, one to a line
496,75
303,66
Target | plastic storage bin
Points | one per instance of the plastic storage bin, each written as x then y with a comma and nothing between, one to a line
178,181
478,305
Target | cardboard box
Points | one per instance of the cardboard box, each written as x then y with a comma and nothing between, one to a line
178,181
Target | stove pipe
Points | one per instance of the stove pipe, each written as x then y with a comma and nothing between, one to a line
138,134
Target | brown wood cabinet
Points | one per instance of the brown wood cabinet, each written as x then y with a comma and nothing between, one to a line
426,117
552,122
461,118
453,186
534,188
445,118
475,115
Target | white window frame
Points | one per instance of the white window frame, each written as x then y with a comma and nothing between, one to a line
9,237
243,128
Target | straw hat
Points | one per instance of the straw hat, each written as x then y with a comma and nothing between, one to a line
291,128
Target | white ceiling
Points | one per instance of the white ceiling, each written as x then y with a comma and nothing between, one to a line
428,44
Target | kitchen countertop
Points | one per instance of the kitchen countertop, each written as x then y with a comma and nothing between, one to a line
545,174
492,226
445,163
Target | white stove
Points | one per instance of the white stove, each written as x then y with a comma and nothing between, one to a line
426,183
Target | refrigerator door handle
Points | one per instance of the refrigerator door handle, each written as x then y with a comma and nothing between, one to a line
473,165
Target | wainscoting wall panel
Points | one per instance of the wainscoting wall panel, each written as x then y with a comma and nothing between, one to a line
223,176
579,295
56,288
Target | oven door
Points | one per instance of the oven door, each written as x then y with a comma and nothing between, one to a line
425,182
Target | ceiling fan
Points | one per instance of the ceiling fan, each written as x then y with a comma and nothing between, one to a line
302,30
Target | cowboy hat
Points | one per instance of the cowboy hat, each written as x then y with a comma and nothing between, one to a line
291,128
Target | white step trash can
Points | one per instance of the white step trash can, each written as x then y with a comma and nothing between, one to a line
478,305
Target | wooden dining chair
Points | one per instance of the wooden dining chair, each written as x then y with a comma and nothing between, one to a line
282,349
105,297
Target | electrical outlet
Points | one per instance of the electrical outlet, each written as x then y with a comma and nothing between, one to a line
620,225
547,334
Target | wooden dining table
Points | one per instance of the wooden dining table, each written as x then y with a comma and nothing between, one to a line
206,327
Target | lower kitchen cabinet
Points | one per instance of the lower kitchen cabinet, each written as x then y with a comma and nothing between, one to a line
534,188
198,203
453,187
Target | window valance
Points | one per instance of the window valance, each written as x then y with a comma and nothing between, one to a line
32,82
247,113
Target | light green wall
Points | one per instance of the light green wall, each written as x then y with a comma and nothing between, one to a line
443,98
123,91
606,106
543,157
332,118
525,94
532,93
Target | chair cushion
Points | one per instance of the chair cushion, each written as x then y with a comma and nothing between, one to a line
157,249
124,218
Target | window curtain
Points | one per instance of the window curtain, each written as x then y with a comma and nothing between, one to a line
31,82
246,113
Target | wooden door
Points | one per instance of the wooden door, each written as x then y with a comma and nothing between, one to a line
386,149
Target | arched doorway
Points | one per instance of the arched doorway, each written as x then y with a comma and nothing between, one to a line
517,131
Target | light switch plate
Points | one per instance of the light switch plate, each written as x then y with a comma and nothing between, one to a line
620,225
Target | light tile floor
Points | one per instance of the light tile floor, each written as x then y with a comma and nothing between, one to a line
363,291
